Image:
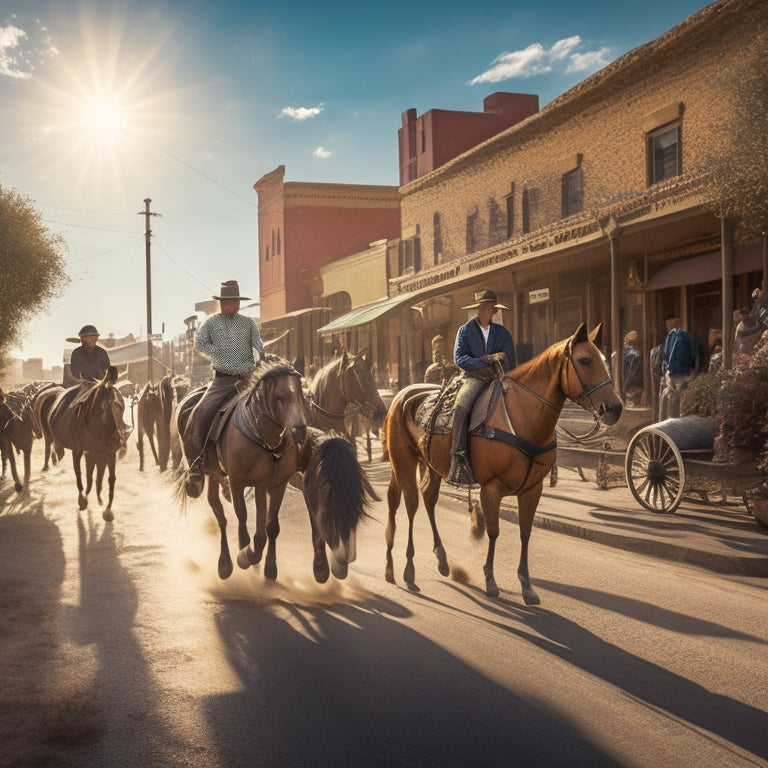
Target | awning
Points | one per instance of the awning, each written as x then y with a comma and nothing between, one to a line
366,313
705,268
290,315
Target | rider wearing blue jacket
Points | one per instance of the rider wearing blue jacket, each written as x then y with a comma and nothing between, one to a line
479,344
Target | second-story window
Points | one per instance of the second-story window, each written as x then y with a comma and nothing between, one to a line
572,192
665,159
510,200
529,197
437,239
472,232
410,255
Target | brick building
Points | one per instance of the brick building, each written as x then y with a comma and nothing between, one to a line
591,209
302,227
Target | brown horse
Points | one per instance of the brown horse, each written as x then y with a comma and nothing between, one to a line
155,408
263,443
341,383
511,452
20,428
88,419
42,400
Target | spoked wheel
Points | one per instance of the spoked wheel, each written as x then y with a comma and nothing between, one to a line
655,470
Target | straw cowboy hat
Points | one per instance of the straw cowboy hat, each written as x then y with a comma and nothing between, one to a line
86,330
230,290
485,297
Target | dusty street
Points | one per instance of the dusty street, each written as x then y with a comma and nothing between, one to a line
120,646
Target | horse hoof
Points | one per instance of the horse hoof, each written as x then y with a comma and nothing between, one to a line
245,558
225,571
340,570
19,487
442,561
322,574
530,597
82,502
107,515
389,575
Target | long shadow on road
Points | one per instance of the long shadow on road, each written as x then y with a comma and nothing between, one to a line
350,684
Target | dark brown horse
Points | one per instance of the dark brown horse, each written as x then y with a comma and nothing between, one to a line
88,419
8,420
19,428
154,411
42,400
511,452
262,445
341,383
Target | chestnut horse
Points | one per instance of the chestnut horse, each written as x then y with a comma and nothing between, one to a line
88,419
42,400
511,452
343,382
262,444
155,407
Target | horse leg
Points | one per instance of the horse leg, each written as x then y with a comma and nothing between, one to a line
273,530
393,502
82,498
320,562
140,446
111,461
151,439
47,456
225,560
526,509
100,467
430,495
27,466
248,555
490,500
11,459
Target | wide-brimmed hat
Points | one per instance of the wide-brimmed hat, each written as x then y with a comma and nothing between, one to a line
485,297
230,290
88,330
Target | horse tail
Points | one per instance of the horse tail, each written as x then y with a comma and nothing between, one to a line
178,483
336,484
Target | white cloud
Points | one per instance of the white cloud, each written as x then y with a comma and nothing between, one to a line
322,153
301,113
537,60
592,60
10,66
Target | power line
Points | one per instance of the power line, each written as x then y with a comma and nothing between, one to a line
201,173
87,226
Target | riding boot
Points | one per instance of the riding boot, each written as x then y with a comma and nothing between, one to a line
460,472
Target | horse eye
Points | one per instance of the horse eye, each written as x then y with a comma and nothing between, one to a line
585,361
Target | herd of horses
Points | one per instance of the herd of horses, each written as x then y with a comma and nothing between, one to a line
283,430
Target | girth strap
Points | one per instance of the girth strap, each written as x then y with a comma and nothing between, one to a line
529,449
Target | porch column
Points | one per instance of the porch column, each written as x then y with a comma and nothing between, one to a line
611,228
726,250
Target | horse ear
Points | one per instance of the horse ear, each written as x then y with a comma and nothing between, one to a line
581,334
596,337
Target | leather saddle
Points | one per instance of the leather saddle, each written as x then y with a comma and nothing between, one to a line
435,413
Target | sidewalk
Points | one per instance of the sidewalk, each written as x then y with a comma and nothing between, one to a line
721,538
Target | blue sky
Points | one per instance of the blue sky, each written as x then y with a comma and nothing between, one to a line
190,102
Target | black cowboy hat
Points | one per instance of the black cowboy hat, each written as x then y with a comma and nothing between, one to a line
230,290
485,297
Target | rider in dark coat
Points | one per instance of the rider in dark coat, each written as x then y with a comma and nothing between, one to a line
479,344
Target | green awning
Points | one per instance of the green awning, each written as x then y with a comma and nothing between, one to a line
366,313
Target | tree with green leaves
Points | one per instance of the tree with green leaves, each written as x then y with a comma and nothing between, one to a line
737,166
32,267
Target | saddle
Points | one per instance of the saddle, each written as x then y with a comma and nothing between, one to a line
435,413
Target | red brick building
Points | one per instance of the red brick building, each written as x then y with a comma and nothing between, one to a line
304,226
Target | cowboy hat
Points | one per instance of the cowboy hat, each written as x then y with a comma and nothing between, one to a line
485,297
230,290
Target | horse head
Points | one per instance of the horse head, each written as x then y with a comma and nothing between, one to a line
586,379
276,402
360,389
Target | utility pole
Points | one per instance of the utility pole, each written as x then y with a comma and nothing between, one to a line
147,239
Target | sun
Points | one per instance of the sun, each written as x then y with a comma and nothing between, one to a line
105,119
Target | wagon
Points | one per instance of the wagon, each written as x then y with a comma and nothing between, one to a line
666,460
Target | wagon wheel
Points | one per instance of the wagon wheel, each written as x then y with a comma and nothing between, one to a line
655,470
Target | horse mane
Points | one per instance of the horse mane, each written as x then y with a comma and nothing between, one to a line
268,369
544,361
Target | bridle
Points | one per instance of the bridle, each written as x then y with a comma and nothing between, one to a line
366,408
583,398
